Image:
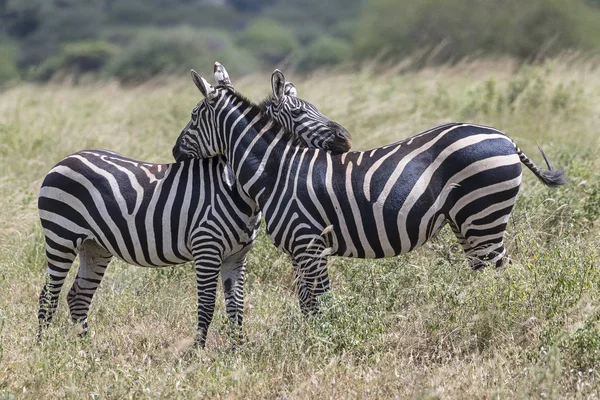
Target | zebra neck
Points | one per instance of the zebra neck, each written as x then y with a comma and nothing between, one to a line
257,154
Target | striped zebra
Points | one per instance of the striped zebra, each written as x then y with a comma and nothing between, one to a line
293,113
98,204
366,204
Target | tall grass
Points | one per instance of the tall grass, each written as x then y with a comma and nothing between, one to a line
422,325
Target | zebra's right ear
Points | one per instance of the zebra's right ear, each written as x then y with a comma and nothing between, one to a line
221,75
203,86
278,85
290,90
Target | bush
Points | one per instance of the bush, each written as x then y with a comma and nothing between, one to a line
176,50
76,59
531,90
325,51
270,41
310,19
453,29
8,63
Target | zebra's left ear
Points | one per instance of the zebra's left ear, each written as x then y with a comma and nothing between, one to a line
278,85
290,90
203,86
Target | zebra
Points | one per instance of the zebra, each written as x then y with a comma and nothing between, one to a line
293,113
366,204
99,204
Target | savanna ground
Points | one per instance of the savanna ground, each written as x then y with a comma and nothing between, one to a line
422,325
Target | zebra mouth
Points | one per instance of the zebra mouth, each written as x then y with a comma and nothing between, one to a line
342,141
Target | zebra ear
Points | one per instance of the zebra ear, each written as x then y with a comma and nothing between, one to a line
290,90
278,84
203,86
221,75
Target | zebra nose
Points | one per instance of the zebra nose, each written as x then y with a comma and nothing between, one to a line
341,142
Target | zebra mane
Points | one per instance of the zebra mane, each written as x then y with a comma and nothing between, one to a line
261,108
265,103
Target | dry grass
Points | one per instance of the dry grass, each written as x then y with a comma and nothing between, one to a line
417,326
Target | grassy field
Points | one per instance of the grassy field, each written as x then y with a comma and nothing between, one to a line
421,325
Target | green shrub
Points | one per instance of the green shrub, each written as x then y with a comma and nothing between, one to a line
176,50
583,346
531,90
453,29
310,19
325,51
270,41
136,13
8,63
76,59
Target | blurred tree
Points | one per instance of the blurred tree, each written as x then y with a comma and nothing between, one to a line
8,65
269,40
176,50
41,25
308,19
253,6
453,29
20,17
75,59
41,32
323,52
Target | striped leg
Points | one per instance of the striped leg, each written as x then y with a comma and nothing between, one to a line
60,253
310,269
93,261
483,243
208,265
233,274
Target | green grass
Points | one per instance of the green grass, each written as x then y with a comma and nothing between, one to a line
422,325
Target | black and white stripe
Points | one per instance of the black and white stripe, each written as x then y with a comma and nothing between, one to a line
369,204
98,204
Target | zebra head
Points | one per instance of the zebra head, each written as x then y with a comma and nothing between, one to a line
295,115
304,119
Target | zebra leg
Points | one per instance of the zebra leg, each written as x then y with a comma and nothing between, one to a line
483,243
207,276
60,253
312,280
93,261
233,274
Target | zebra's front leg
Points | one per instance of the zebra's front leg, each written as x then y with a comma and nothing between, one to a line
233,274
312,280
93,261
207,275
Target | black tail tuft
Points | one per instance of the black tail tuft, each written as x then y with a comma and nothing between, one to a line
551,177
554,177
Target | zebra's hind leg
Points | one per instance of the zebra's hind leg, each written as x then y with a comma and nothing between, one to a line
233,273
483,244
93,260
207,276
60,253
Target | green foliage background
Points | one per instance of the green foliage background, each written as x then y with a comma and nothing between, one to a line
134,40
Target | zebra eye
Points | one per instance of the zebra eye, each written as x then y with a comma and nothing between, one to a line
296,112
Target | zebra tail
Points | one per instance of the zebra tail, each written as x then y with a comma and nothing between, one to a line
550,177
